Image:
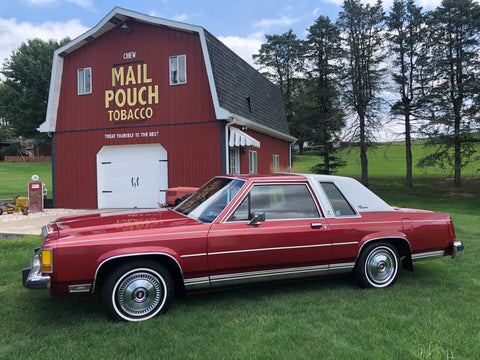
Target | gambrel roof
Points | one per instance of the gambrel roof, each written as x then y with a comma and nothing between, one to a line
240,94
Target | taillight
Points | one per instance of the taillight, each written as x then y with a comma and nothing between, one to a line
451,229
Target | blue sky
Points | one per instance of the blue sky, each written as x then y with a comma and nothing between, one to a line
241,25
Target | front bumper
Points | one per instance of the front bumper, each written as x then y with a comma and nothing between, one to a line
32,277
457,249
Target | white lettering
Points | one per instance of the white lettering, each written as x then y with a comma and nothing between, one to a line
129,55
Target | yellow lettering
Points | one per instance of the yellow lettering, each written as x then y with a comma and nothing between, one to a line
117,75
123,114
109,94
130,76
120,98
132,96
149,113
146,80
141,99
152,94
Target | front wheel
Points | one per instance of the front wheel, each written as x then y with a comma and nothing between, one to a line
377,265
137,291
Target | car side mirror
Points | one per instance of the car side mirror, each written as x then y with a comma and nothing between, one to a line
258,218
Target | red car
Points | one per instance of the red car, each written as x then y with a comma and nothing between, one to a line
236,230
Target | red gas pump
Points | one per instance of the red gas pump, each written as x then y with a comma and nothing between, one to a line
35,193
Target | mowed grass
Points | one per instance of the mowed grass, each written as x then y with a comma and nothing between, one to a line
430,313
384,160
14,178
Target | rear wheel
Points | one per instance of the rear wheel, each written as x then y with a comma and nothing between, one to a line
137,291
377,265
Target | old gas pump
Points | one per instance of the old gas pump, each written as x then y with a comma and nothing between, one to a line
35,193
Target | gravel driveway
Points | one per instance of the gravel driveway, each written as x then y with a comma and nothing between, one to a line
31,224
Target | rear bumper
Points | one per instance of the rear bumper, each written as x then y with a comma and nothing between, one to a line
32,277
457,249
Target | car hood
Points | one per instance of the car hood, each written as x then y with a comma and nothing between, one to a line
119,221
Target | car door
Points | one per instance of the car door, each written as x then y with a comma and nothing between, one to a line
292,240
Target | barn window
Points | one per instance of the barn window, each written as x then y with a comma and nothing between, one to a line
84,77
276,162
178,70
234,160
252,162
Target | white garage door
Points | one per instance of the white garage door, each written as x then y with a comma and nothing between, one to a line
131,176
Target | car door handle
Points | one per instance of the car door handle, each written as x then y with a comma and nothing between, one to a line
316,225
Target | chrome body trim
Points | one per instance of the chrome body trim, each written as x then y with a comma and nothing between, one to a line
276,274
79,289
427,255
268,249
457,249
32,276
197,283
133,255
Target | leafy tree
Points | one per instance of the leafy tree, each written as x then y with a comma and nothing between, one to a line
453,84
406,25
280,59
328,118
362,29
24,94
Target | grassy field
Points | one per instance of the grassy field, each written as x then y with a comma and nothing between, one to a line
384,160
14,178
430,313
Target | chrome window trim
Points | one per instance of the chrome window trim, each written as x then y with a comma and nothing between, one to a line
249,188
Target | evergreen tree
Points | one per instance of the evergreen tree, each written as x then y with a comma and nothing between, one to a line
281,60
327,116
362,29
406,26
452,84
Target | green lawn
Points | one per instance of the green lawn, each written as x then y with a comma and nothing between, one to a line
383,160
430,313
14,178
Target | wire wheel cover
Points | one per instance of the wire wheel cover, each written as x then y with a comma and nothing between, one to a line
381,266
140,293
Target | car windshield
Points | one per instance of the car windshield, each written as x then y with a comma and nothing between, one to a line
210,200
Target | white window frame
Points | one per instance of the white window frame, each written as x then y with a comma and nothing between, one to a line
252,162
84,81
178,69
276,162
234,160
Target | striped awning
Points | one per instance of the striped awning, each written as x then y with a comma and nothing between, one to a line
239,138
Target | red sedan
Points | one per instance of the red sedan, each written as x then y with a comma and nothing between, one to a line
236,230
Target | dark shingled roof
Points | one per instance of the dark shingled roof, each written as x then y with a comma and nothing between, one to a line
244,91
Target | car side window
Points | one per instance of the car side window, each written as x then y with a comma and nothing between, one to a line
279,201
340,205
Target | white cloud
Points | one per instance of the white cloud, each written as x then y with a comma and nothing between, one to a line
244,47
269,23
13,33
87,4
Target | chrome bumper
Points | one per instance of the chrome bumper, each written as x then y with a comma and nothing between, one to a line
457,249
32,277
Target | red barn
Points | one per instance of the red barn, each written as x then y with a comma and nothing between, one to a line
138,104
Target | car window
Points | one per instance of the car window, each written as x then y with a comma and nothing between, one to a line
340,205
210,200
280,201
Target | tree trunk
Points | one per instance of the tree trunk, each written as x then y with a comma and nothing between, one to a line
408,152
363,151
